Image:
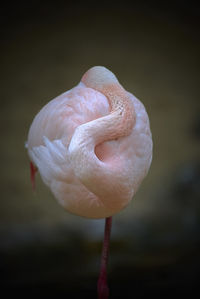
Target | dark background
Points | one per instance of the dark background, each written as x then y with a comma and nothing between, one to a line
153,49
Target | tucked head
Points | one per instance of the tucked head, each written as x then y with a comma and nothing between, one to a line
97,77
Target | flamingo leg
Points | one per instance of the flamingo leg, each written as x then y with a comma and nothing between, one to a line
102,287
33,171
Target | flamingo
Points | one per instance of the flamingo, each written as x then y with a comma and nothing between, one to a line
92,146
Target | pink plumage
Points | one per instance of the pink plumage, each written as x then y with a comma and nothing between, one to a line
92,145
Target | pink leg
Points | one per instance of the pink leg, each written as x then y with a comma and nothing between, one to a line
102,287
33,171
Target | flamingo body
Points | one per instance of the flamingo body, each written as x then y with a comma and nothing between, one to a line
92,155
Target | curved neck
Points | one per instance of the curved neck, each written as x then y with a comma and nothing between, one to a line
121,119
122,115
95,175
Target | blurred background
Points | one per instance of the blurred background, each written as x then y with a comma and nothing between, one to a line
154,51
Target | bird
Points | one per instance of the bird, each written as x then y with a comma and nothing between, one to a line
92,146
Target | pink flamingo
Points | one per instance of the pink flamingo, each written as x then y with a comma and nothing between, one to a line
92,146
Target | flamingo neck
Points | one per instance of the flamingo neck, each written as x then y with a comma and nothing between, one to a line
122,114
87,167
